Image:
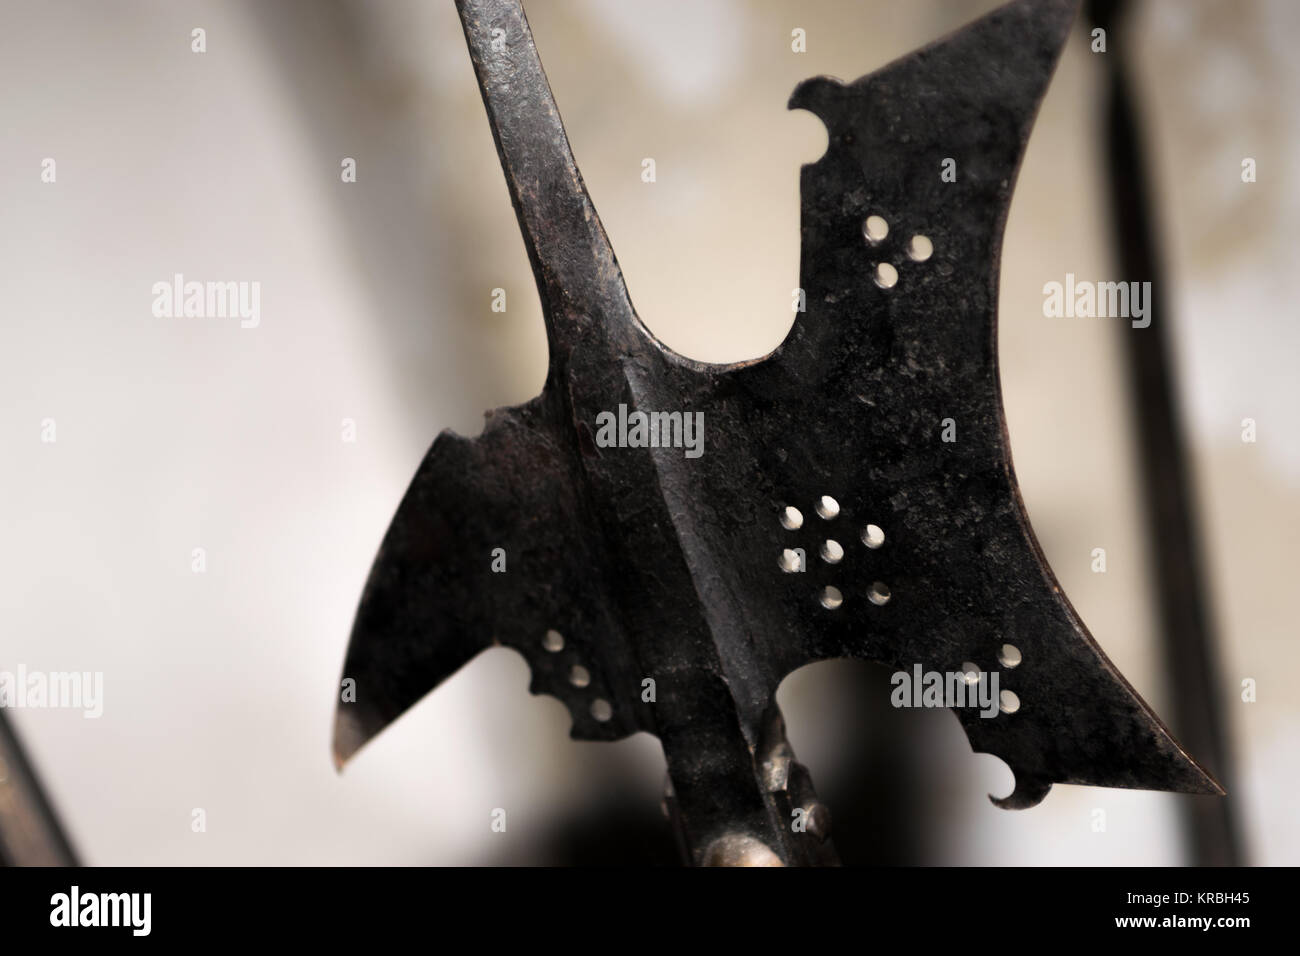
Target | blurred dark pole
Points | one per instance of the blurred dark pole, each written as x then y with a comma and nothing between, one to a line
30,834
1169,503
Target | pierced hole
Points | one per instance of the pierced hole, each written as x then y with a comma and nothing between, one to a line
879,594
601,709
832,552
553,641
920,248
831,597
791,561
827,507
872,536
971,672
1009,656
579,677
791,519
1009,702
874,229
886,276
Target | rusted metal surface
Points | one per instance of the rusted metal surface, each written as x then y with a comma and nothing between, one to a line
627,565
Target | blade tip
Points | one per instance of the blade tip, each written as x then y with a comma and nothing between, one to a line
348,738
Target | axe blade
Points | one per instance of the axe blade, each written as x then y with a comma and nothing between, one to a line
633,565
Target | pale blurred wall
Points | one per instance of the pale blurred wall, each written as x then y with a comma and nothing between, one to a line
175,434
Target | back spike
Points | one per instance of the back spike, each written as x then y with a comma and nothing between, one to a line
577,274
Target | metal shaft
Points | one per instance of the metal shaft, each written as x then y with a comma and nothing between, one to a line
30,834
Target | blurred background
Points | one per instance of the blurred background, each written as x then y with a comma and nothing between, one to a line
175,434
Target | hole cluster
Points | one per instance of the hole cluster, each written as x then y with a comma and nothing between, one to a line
830,550
579,676
919,249
1009,657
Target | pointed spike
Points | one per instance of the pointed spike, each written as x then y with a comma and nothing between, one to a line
574,265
